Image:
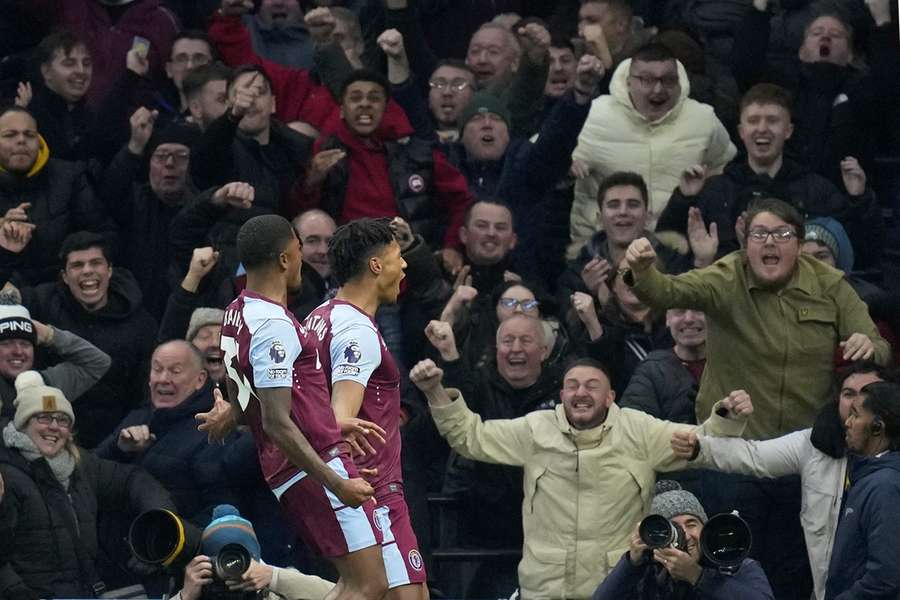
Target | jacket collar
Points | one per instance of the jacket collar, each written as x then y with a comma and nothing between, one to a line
587,437
618,89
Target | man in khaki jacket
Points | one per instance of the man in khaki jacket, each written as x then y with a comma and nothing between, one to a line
590,468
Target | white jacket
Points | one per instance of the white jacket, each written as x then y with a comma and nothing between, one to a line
616,137
822,480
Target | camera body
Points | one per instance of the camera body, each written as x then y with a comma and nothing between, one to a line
659,532
228,564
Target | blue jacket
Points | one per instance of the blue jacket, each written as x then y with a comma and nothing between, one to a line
865,561
181,459
749,583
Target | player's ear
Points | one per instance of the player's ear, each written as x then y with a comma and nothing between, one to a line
375,266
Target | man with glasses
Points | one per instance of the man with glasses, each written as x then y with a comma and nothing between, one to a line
648,125
766,125
776,322
190,50
450,89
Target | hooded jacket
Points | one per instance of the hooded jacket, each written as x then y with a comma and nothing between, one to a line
49,536
616,137
865,563
62,202
122,329
724,197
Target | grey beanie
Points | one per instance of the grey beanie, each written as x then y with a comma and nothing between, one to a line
676,501
202,317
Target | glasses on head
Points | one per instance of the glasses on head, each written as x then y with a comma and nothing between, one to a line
513,303
782,235
198,60
179,156
62,419
667,81
454,85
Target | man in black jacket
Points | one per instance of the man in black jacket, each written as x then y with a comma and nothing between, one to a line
766,172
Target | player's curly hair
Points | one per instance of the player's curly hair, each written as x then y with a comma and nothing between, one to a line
353,244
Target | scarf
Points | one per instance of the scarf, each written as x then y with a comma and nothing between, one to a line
62,465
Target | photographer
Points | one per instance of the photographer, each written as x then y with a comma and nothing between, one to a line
674,572
203,578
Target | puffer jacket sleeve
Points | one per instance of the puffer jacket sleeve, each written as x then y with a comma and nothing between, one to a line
777,457
642,393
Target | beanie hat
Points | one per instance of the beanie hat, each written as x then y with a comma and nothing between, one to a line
176,133
483,102
33,396
228,527
832,234
15,320
201,317
676,501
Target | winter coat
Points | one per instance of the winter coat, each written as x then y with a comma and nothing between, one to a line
661,386
290,46
584,489
80,365
109,41
527,171
181,458
145,221
122,329
618,138
865,563
724,197
62,202
48,535
627,582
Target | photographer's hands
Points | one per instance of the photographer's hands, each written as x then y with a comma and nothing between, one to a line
680,565
198,573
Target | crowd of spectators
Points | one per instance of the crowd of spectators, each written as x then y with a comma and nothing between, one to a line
692,202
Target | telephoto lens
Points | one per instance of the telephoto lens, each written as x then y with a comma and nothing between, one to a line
659,532
725,542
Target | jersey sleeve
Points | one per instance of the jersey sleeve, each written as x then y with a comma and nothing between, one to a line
274,347
355,353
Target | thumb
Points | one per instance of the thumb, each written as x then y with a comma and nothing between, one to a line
713,230
152,437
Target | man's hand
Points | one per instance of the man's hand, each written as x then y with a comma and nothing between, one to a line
15,235
236,194
321,24
452,260
858,347
391,43
596,44
135,439
220,421
24,94
636,548
880,11
510,276
402,233
692,180
854,177
356,432
584,308
321,164
440,334
535,42
236,8
588,73
685,444
257,577
353,492
202,262
43,332
244,97
740,229
17,213
141,129
761,5
579,170
680,565
426,376
737,404
463,295
704,244
198,573
136,61
595,274
640,255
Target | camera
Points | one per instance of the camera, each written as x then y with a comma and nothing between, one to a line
725,542
163,538
659,532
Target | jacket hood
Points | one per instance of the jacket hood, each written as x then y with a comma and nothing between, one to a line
618,89
863,466
125,297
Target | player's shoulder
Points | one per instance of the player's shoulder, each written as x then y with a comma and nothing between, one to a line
346,316
261,314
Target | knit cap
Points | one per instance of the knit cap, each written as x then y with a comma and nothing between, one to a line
228,527
15,320
832,234
483,102
202,317
176,133
33,396
676,501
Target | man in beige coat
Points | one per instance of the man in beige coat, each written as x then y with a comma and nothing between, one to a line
589,471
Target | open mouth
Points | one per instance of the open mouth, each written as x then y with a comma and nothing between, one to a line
51,439
763,143
365,120
487,139
770,260
89,286
824,51
16,363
